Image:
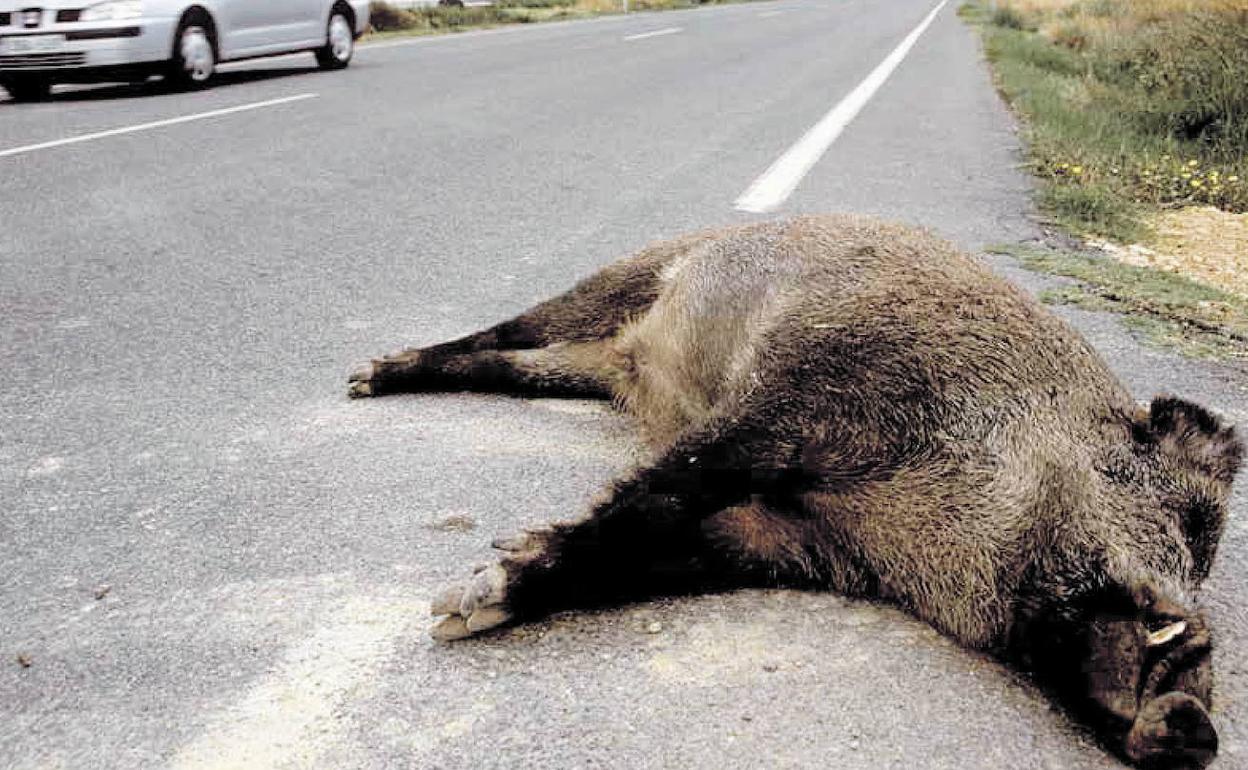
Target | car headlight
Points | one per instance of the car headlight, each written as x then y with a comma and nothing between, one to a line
113,10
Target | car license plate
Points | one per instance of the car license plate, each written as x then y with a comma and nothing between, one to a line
32,44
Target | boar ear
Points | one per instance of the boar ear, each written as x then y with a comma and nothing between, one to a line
1192,435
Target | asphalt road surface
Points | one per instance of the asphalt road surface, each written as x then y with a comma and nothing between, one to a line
212,558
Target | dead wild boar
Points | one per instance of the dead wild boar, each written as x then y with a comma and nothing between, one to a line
840,403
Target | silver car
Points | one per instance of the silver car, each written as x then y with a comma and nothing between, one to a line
60,41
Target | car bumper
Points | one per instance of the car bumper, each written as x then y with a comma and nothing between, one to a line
86,50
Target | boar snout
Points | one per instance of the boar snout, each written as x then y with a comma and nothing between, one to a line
1172,732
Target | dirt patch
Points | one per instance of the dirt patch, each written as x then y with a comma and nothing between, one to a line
1204,244
1166,307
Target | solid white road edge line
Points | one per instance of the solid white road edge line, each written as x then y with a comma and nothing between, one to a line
780,180
156,124
655,33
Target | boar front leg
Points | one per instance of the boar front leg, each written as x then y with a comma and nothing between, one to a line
593,311
567,369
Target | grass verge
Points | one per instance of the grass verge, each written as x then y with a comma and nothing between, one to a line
1167,310
1129,106
1135,118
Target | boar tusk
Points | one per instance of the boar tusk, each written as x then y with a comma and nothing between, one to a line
1163,635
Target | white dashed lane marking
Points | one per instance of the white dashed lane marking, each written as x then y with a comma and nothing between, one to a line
154,125
654,33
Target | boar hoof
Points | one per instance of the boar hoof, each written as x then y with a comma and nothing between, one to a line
474,607
515,543
1172,732
361,381
450,629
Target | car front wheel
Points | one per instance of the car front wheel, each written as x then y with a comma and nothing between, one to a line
194,57
339,43
26,88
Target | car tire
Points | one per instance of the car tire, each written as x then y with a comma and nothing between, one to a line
339,42
194,59
26,88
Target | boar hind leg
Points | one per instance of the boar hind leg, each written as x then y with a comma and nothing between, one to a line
761,545
567,370
594,310
648,537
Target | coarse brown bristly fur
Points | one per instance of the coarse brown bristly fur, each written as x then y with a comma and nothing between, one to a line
842,403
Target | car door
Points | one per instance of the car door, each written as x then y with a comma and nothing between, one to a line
268,26
289,23
238,25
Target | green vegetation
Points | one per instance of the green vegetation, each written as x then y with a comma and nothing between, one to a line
1167,309
387,18
1129,105
1006,16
